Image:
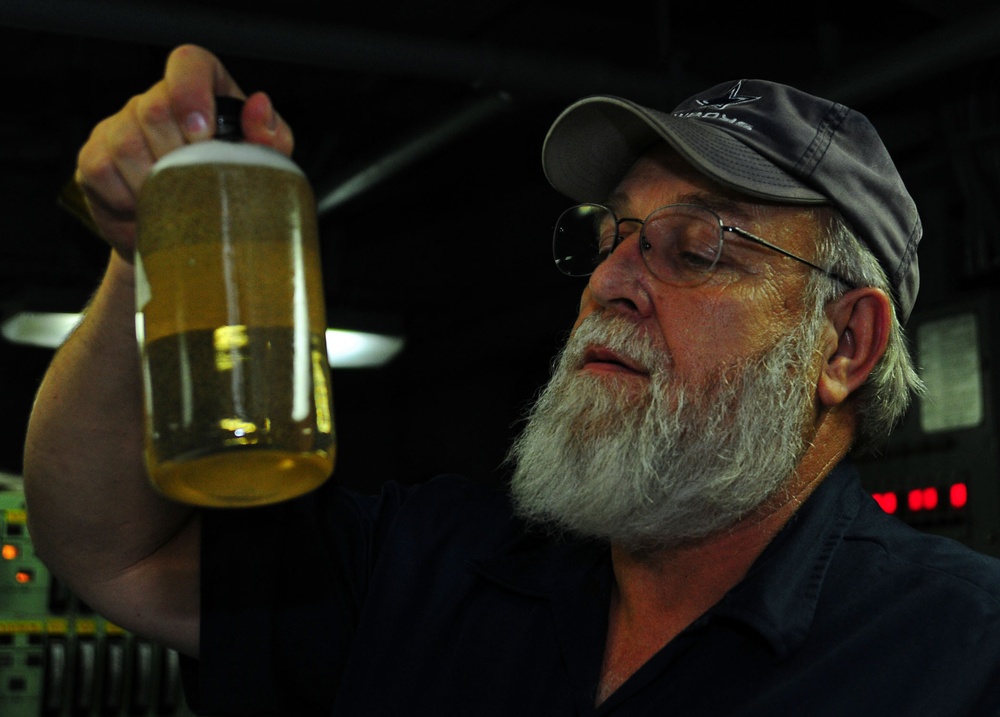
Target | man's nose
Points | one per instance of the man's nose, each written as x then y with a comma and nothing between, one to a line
622,282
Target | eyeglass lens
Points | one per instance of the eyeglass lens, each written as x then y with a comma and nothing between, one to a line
680,243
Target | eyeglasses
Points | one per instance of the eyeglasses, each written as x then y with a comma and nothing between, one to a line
681,243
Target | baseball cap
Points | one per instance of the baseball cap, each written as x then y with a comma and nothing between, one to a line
763,139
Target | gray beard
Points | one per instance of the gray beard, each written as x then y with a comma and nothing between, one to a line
666,463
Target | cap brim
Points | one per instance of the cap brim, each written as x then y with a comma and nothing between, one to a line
594,142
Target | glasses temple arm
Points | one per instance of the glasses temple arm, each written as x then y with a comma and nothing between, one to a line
752,237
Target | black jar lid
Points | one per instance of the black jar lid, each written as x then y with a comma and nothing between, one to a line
227,119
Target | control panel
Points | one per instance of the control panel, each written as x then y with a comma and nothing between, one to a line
940,471
57,657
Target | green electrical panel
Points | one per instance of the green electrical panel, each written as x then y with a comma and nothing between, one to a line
60,659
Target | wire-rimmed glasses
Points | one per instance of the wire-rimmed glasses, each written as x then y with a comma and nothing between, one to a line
681,243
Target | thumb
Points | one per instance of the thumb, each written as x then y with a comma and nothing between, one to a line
263,125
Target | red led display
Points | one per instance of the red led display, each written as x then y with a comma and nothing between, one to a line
958,495
888,501
930,498
920,500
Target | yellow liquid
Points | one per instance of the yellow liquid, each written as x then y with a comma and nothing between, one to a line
232,320
242,478
214,254
229,420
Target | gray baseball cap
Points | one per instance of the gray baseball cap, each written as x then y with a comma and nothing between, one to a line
760,138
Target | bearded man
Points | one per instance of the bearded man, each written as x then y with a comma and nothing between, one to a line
683,535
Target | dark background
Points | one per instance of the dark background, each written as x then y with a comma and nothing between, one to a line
451,101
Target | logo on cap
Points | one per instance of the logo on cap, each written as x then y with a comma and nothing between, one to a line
733,97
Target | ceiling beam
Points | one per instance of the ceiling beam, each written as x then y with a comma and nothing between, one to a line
481,65
474,64
957,44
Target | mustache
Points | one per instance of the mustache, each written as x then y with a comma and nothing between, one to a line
619,336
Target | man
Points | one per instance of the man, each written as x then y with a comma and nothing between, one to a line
684,535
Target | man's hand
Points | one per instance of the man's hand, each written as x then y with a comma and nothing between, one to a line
177,110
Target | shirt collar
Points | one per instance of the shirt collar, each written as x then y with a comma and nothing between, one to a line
574,578
536,564
779,594
777,598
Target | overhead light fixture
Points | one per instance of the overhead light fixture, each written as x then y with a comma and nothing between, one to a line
344,349
45,329
360,349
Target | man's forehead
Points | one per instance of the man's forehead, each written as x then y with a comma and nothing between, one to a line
661,168
621,202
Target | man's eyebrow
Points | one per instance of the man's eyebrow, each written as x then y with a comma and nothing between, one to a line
619,202
721,205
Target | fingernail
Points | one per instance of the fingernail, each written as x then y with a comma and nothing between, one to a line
196,124
272,120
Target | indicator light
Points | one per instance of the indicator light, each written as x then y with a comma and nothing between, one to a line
887,501
915,500
958,495
9,552
930,498
23,576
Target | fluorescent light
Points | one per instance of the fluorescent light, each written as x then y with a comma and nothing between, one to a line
47,330
354,349
344,349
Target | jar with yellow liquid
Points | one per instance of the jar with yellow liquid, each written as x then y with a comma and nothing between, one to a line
231,325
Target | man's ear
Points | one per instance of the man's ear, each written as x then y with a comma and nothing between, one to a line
861,319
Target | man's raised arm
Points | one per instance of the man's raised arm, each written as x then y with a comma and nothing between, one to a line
95,520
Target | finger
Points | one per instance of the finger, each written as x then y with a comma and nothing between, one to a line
114,160
263,125
111,209
155,119
113,200
127,145
193,77
111,167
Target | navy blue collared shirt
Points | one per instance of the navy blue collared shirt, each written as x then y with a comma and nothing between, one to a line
434,600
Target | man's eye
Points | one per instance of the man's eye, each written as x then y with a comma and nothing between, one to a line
606,243
697,261
691,250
